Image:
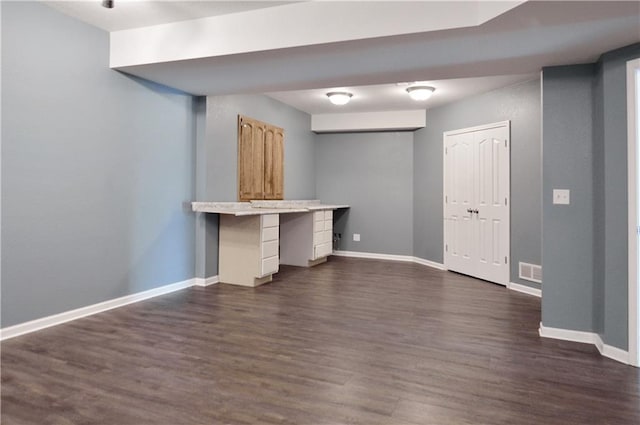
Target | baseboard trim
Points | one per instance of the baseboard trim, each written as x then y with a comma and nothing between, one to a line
202,282
428,263
612,352
390,257
525,289
605,350
67,316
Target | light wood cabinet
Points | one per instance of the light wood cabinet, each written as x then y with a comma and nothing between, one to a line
260,160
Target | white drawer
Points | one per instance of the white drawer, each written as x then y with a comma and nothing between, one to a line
318,216
328,215
322,250
269,266
270,220
328,236
318,238
269,249
270,233
318,226
328,225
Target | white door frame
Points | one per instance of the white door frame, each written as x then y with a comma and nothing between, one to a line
633,134
506,123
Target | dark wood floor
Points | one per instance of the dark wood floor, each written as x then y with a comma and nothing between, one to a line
347,342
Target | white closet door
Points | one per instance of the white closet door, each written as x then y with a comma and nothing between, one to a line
459,177
476,208
492,199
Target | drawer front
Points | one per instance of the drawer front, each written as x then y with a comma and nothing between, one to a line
270,220
270,233
328,215
323,237
318,216
322,250
328,225
269,266
269,249
318,226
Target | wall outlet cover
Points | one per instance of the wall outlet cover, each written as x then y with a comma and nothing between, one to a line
356,237
561,196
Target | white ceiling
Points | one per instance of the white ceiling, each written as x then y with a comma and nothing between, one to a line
128,14
393,97
459,62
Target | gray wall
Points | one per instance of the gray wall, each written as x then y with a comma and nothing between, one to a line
373,173
95,168
521,105
568,230
585,243
220,148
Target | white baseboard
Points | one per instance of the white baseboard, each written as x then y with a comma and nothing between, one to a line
389,257
525,289
407,258
609,351
67,316
612,352
199,281
429,263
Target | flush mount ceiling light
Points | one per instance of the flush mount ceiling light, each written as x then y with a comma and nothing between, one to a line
420,92
339,97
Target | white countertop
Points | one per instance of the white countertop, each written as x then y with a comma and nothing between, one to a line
262,207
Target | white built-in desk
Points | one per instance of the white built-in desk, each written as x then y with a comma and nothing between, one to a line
256,237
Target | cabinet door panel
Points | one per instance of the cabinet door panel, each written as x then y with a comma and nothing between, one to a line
274,163
250,159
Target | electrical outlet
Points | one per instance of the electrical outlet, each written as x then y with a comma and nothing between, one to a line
356,237
561,196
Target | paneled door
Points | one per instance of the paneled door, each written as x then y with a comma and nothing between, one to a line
476,201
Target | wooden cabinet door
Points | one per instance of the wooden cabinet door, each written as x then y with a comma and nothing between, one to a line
273,163
251,135
260,160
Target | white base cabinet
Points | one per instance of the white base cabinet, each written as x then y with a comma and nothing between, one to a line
306,238
248,253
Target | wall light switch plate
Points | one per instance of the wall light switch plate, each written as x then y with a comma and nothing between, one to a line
356,237
561,196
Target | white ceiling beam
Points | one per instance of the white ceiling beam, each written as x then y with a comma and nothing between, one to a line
294,25
369,121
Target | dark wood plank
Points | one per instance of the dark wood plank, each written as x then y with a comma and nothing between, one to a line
347,342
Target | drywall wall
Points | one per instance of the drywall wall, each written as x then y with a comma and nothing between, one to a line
568,230
96,167
220,150
585,243
519,104
373,173
614,132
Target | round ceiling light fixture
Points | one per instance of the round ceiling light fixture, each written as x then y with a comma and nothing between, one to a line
339,97
420,92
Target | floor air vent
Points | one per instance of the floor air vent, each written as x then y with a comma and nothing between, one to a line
531,272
